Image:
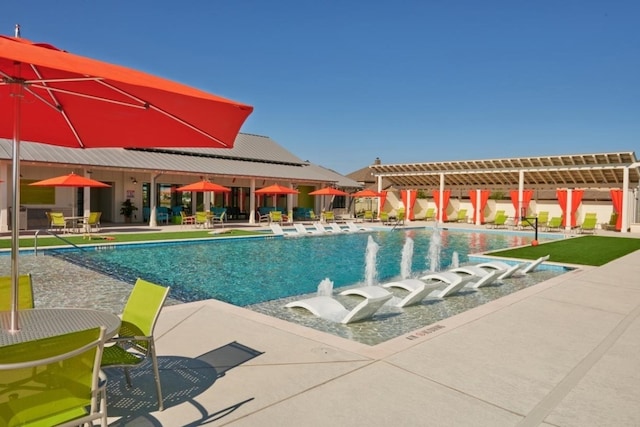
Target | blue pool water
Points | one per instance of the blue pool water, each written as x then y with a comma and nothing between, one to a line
250,271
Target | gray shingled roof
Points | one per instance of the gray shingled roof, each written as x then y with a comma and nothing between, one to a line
253,156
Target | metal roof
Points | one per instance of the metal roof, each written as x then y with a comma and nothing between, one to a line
252,156
602,170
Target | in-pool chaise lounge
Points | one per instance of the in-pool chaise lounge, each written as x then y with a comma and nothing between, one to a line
433,285
479,276
415,296
509,270
331,309
302,230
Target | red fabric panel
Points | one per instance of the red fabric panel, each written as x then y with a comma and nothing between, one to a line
445,202
412,203
576,199
562,201
383,200
472,196
616,199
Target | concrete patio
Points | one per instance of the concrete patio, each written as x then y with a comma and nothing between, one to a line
561,353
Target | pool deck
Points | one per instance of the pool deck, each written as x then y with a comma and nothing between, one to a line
561,353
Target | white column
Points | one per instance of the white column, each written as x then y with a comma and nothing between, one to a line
252,201
153,222
379,199
86,205
441,207
567,226
478,207
408,208
624,226
520,195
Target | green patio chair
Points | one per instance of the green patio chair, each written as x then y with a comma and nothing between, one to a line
329,216
462,216
555,224
430,215
134,342
53,381
202,219
401,215
384,217
275,216
500,221
25,292
368,216
588,225
58,221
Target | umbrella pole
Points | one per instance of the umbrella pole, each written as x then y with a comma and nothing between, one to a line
15,213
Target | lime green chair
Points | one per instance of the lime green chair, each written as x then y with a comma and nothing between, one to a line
134,342
275,216
500,220
401,215
430,215
53,381
329,216
384,217
202,219
555,224
58,221
462,216
589,224
25,292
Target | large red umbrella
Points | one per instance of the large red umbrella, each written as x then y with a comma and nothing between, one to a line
55,97
204,186
276,189
328,191
365,193
70,180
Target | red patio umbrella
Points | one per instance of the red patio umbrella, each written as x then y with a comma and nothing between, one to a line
55,97
276,189
204,186
328,191
365,193
70,180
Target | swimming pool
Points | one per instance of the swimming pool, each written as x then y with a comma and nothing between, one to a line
263,274
250,271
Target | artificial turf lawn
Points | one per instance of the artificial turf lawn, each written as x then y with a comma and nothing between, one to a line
587,250
47,240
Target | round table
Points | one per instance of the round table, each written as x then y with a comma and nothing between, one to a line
39,323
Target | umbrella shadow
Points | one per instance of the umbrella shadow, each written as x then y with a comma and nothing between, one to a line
182,379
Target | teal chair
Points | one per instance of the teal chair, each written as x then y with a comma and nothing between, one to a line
53,381
25,292
134,342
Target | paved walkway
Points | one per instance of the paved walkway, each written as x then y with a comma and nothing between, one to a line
562,353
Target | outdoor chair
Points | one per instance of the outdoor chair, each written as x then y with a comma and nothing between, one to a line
329,216
218,215
430,215
611,225
93,221
384,217
57,221
201,219
53,381
162,214
25,292
401,215
275,216
134,342
589,224
367,216
555,223
187,219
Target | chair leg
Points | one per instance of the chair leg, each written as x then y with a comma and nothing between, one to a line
128,377
156,373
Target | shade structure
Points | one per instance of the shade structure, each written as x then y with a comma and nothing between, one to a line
365,193
276,189
328,191
70,180
58,98
204,186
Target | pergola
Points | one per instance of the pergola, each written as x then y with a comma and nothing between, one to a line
575,171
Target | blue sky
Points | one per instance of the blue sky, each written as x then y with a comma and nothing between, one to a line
340,83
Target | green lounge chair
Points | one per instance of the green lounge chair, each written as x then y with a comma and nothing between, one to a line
53,381
555,224
430,215
588,225
134,342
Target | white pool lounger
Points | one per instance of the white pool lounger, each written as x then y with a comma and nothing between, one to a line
331,309
479,276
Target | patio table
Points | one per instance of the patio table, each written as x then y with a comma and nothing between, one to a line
39,323
77,222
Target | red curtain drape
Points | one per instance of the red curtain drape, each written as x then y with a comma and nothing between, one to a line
410,203
562,201
527,195
576,199
616,199
383,200
484,198
445,202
